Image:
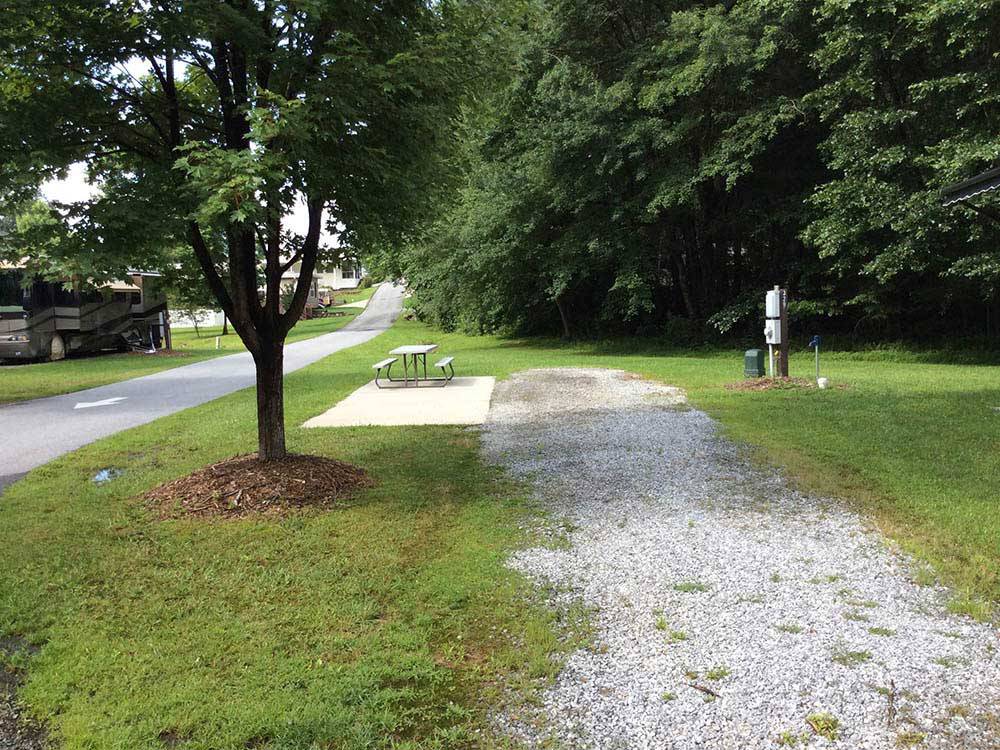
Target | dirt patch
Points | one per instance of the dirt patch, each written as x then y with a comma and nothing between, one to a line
17,732
770,384
243,486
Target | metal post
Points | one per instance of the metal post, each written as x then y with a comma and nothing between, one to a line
817,361
784,346
770,358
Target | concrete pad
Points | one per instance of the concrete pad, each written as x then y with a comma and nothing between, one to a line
361,303
462,401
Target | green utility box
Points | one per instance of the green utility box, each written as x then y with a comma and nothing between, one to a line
753,363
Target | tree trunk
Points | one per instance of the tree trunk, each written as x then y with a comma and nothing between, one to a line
225,324
270,403
563,316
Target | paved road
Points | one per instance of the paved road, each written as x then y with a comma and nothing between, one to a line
35,432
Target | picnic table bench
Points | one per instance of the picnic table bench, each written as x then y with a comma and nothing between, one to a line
414,355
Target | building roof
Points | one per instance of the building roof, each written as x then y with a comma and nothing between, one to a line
981,183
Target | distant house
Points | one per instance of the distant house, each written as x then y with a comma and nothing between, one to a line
327,280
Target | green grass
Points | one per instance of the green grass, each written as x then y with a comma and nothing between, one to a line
40,379
382,623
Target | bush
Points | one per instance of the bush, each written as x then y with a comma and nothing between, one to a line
365,283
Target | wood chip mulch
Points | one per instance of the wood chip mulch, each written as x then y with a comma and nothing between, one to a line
768,384
243,486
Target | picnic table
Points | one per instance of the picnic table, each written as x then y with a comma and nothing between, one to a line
414,355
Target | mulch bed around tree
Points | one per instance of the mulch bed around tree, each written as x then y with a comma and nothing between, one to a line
768,384
243,486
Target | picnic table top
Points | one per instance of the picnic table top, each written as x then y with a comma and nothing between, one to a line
414,349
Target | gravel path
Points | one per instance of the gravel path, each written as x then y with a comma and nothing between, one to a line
704,570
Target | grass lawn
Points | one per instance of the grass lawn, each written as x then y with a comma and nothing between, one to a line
22,382
385,623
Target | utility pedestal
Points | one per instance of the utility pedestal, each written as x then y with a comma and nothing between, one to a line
776,329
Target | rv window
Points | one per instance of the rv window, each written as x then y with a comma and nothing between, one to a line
64,297
91,296
11,292
41,294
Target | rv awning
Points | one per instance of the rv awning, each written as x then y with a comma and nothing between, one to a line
120,286
961,191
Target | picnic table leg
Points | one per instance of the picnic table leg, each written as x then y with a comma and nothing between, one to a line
425,367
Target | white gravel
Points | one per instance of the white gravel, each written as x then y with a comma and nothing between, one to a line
655,502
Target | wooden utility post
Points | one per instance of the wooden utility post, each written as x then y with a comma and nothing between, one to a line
783,346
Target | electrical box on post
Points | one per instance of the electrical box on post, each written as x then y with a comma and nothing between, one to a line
772,332
772,304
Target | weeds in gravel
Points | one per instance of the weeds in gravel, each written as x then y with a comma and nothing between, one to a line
789,738
691,587
910,738
851,658
947,661
824,724
855,616
775,577
863,603
661,623
788,627
720,672
676,636
667,696
882,631
959,710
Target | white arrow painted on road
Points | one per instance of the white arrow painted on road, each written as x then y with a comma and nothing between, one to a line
105,402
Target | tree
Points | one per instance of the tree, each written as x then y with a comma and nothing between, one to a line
627,178
655,166
204,122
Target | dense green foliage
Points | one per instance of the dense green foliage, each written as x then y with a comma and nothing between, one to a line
654,165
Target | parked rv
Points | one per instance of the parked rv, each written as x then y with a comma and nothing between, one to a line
46,320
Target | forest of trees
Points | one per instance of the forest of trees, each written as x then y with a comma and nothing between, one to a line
651,167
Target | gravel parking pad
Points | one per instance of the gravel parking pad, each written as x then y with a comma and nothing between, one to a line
730,611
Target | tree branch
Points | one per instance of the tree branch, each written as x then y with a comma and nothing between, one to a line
310,249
